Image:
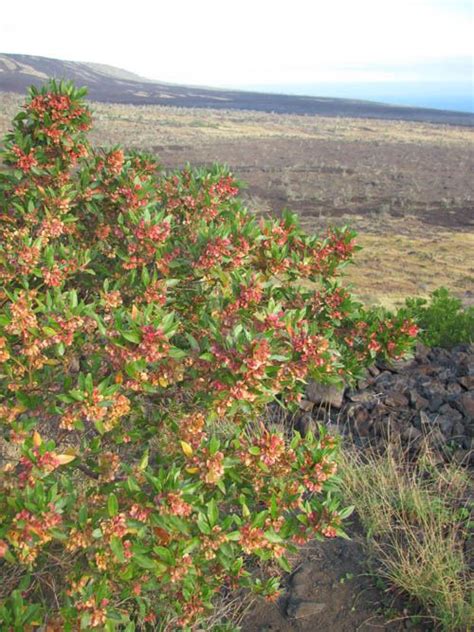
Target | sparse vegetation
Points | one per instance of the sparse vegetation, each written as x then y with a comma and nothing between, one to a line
418,520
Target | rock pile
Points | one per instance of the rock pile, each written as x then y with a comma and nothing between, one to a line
429,398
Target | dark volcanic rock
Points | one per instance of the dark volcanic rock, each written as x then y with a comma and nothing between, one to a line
412,435
466,401
396,399
328,394
297,609
430,400
467,382
445,424
452,413
304,424
417,400
364,397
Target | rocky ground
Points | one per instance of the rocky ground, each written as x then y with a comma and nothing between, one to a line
427,399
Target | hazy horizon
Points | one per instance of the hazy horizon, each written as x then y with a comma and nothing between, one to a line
455,97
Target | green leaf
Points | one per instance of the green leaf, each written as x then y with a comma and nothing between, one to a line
345,513
77,395
203,525
214,445
144,562
144,460
285,565
164,554
206,356
212,512
82,516
112,505
131,336
117,548
176,354
273,537
132,484
193,343
89,384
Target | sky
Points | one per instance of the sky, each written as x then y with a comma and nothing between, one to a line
272,44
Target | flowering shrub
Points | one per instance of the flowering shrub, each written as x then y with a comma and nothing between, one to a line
146,321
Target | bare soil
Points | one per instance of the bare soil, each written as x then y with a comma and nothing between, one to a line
331,180
330,590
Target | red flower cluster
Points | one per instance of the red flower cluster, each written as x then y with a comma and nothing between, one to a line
25,161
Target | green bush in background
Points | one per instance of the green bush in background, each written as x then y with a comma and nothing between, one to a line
442,319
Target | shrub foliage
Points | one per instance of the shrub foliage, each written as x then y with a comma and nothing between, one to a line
146,321
443,321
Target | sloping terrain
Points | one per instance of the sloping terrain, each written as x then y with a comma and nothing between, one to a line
112,85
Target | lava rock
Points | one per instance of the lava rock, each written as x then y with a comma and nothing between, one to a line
297,609
445,424
418,401
450,412
373,370
396,366
467,382
306,405
466,402
301,583
362,427
422,352
458,430
436,438
383,378
363,397
435,402
305,424
329,394
412,436
430,400
395,399
453,389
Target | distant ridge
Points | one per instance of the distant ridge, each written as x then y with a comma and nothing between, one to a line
114,85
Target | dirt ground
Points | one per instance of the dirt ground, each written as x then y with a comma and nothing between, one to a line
330,590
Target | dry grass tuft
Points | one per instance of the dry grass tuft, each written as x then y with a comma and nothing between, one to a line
417,518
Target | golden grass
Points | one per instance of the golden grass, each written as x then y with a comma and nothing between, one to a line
391,267
417,520
211,124
137,124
